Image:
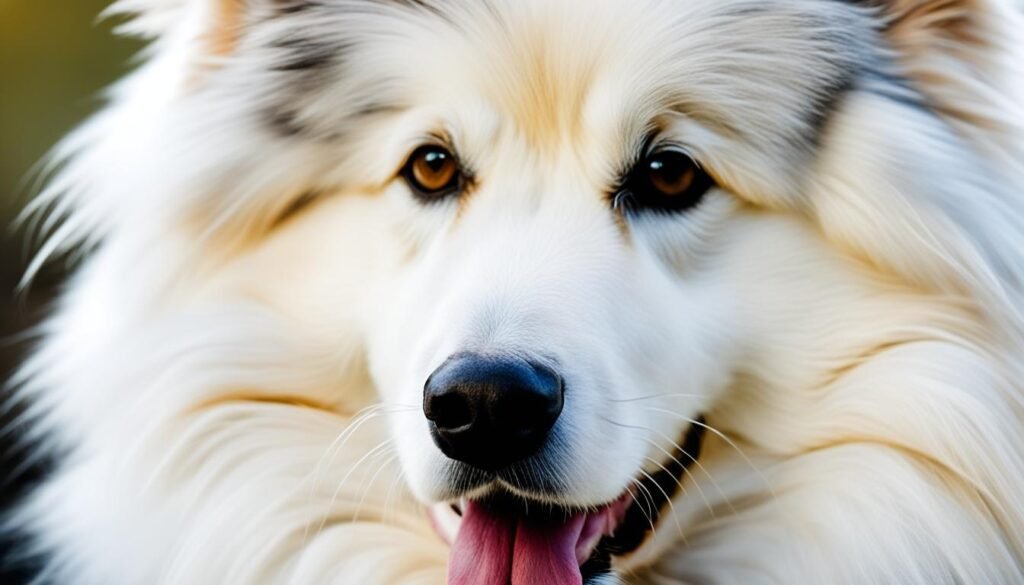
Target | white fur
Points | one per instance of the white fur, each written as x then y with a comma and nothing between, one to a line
236,397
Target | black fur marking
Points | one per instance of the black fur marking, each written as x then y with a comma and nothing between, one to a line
422,5
284,121
307,61
286,7
377,109
304,62
24,465
302,53
894,88
828,101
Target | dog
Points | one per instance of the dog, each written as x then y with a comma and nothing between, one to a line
491,292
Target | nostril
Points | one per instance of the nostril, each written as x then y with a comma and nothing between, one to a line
449,411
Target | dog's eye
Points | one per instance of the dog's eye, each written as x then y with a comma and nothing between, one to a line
666,180
432,172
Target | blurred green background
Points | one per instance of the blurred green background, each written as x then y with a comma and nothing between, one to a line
55,59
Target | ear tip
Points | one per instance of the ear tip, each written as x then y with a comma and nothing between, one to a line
144,18
156,18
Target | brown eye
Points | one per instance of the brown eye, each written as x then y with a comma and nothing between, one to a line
665,180
432,172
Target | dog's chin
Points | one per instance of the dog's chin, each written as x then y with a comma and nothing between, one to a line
499,534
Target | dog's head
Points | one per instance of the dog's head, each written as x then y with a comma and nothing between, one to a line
574,201
567,232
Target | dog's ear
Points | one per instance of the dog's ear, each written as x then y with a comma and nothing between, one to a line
937,199
943,44
215,25
925,25
204,33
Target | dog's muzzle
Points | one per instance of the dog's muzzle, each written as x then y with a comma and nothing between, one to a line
494,413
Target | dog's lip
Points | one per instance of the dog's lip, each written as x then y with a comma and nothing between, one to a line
615,528
600,523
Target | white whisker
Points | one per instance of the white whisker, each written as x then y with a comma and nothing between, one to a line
366,488
696,461
382,445
668,499
656,396
650,503
359,419
722,436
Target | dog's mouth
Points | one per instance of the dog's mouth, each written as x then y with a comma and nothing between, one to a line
505,540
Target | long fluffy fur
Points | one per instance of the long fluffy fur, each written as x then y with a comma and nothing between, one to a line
216,416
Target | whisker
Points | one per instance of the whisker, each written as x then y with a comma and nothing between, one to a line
515,478
685,468
650,503
382,445
655,396
675,516
700,491
389,511
696,461
359,419
722,436
369,484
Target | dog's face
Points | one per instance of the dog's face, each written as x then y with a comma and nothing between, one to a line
575,198
561,232
562,227
568,192
570,218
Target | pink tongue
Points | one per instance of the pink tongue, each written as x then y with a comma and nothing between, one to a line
482,553
545,552
494,550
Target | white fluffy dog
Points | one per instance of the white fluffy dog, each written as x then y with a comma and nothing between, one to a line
527,292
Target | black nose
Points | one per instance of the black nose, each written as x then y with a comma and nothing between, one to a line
491,411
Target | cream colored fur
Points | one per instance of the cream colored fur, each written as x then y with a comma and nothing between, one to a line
232,384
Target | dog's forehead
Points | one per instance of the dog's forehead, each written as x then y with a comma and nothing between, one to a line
558,70
591,79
